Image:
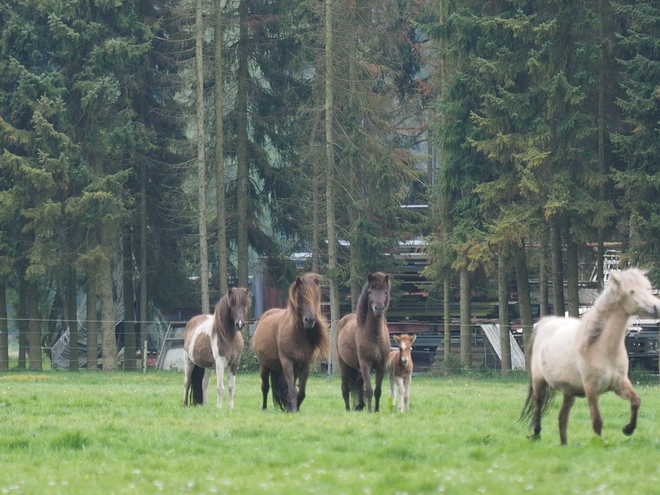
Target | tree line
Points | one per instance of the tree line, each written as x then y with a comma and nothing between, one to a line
158,148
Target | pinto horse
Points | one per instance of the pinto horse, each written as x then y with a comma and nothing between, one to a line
400,367
214,342
587,357
287,341
363,343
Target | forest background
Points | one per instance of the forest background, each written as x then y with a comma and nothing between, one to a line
177,143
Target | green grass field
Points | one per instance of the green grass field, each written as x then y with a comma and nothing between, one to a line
82,433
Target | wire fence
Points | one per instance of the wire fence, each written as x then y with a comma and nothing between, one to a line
483,359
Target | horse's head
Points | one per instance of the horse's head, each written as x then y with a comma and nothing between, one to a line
634,289
305,298
239,301
378,287
405,342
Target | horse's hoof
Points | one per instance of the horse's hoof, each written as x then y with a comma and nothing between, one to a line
628,430
534,438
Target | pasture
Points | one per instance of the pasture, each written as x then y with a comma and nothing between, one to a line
81,433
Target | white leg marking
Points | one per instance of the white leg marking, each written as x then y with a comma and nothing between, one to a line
231,383
220,365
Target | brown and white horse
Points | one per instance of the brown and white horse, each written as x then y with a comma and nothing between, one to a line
215,342
287,342
587,357
400,367
363,343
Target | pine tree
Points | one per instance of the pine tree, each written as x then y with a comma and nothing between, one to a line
637,144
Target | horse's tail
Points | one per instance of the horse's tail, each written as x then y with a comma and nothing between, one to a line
355,385
196,380
548,394
279,388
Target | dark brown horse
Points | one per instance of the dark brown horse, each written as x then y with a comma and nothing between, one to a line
287,341
363,343
215,342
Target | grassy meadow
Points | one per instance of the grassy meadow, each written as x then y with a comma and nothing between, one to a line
82,433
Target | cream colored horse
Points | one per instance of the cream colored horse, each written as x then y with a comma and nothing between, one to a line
587,357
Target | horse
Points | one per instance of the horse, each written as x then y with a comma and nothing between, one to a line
287,341
215,342
400,368
587,357
363,343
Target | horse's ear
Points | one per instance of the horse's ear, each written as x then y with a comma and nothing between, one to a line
298,281
317,280
615,277
370,277
397,338
412,338
387,278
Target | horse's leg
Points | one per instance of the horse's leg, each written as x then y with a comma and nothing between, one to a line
231,385
289,377
220,375
205,385
402,393
406,385
380,374
539,389
302,384
265,386
569,400
626,392
358,397
187,376
393,388
592,399
366,380
345,387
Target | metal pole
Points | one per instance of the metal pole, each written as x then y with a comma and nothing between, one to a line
145,358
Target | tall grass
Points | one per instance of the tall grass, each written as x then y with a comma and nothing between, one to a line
82,433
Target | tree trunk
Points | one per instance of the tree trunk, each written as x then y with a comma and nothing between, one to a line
109,342
466,317
23,330
572,275
221,217
142,326
34,327
92,319
201,161
330,183
4,335
557,270
524,297
241,149
317,198
72,315
446,313
354,212
544,306
602,166
503,302
130,347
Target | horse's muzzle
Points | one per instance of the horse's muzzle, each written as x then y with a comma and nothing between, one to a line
309,323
